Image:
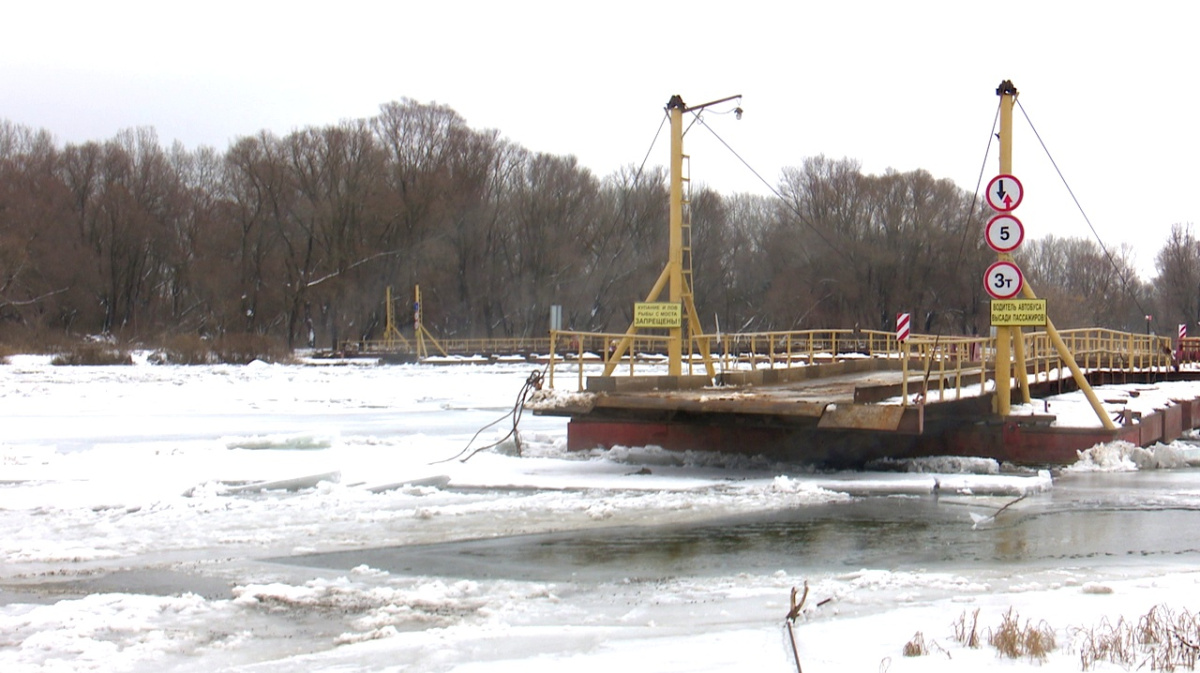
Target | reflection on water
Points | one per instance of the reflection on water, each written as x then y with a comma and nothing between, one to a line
1086,517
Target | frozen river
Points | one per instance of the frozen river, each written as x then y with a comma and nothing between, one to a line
273,518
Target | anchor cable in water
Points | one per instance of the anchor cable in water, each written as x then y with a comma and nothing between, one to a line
532,383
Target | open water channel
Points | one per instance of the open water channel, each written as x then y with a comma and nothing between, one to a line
1085,518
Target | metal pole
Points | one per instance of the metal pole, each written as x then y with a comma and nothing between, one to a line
1003,399
1065,355
675,257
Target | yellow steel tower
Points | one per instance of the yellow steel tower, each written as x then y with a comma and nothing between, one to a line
1010,341
676,276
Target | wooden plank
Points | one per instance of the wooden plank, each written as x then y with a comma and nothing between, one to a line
862,417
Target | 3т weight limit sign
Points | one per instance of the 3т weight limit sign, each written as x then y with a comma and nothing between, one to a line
1003,280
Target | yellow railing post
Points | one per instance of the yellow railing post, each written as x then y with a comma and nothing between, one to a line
579,361
553,341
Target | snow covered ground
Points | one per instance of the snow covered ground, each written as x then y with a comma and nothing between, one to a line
320,518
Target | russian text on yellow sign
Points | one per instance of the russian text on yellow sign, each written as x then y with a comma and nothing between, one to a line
662,315
1018,312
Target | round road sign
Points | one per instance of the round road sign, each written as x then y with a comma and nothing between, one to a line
1004,193
1003,280
1004,233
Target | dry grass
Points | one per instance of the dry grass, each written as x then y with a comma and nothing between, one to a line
965,634
1161,641
919,647
1014,640
916,647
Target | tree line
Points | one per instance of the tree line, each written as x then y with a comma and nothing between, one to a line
297,238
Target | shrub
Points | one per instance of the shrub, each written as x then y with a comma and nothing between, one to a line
227,349
93,354
246,348
184,350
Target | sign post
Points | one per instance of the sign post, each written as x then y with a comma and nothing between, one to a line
903,322
1003,279
1004,282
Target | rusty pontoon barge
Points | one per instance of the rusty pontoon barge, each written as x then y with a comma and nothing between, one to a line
910,395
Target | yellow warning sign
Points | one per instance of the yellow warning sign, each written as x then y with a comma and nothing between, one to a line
657,315
1019,312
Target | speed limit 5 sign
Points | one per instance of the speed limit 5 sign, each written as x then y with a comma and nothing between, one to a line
1004,233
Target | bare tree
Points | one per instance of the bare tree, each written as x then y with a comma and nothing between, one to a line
1178,282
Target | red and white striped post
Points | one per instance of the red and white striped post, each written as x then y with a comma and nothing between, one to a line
1179,344
902,332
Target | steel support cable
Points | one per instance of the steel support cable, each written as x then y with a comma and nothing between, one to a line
975,197
651,148
1107,254
628,188
638,175
779,196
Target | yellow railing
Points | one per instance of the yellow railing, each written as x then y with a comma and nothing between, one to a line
931,360
485,347
944,358
1187,350
600,348
800,346
928,360
1092,349
1095,348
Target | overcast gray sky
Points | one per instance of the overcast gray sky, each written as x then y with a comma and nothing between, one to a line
905,85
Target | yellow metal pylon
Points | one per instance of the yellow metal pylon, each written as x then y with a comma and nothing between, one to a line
420,334
676,278
390,333
1006,335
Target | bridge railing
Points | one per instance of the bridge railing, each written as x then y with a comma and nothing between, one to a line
956,361
1095,348
786,348
485,347
1187,349
600,348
